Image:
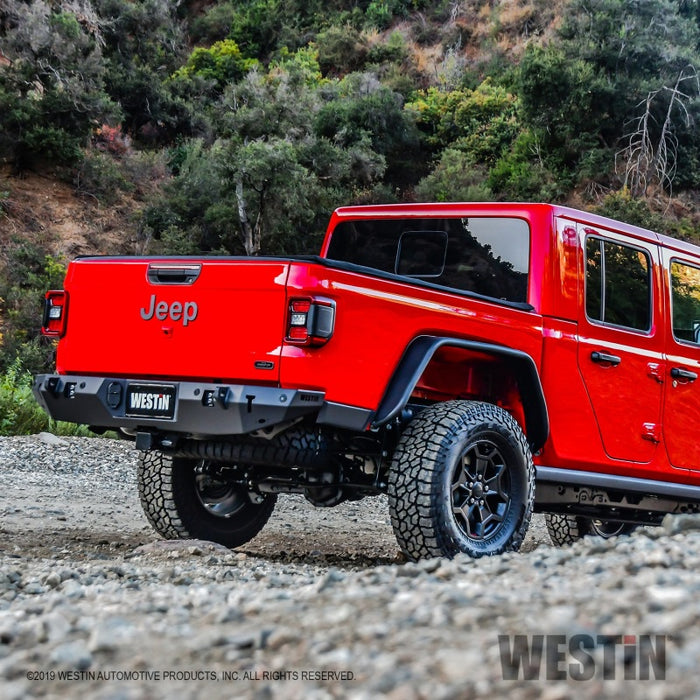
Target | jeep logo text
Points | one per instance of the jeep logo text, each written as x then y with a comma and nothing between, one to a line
177,311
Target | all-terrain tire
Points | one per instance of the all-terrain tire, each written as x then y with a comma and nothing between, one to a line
567,529
174,502
461,480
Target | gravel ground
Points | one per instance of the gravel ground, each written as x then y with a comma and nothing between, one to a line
320,604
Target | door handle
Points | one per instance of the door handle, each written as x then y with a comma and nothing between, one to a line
678,373
605,358
168,273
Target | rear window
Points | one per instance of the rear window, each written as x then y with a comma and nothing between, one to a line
484,255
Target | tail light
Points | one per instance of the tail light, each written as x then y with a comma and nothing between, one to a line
55,314
310,321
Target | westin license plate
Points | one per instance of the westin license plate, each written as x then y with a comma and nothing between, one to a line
150,401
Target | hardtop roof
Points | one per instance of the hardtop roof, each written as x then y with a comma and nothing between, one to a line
517,209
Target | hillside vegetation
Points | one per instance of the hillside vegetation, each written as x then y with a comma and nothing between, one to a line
235,127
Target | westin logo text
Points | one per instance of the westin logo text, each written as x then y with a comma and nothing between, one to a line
582,657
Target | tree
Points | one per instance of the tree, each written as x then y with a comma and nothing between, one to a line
145,43
649,154
271,187
27,272
482,122
269,181
631,42
52,93
456,178
567,103
591,90
358,109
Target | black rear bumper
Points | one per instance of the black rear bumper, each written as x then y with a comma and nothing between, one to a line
199,409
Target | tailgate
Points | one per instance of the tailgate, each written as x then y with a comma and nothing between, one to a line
216,319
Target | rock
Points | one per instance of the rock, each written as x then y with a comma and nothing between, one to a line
430,565
685,522
332,577
33,588
8,627
228,614
73,655
192,547
668,596
402,630
72,589
112,633
52,580
278,638
17,690
56,626
52,440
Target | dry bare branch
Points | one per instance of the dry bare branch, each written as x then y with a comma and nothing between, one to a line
645,157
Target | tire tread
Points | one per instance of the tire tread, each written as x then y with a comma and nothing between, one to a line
173,509
412,498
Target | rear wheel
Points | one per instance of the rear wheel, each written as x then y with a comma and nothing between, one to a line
181,499
461,480
567,529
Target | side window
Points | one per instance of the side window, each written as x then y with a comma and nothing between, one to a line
685,301
489,256
618,284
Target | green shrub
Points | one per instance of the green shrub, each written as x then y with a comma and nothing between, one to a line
20,414
53,144
26,273
482,122
100,176
456,178
214,23
221,63
381,13
521,174
257,25
341,50
621,205
145,171
393,50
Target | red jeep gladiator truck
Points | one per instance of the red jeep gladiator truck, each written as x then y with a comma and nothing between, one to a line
475,362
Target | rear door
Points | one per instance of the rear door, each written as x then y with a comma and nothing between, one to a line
217,319
620,352
682,404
